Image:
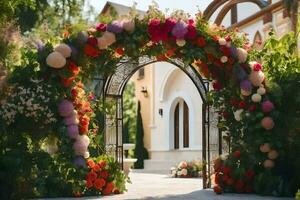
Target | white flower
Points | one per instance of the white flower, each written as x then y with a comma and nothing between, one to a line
256,98
224,59
180,42
261,90
184,172
256,78
237,114
245,92
56,60
64,49
242,55
86,154
179,173
222,41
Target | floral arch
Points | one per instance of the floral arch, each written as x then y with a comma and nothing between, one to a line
47,97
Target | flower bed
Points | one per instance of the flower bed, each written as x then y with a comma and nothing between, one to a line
187,170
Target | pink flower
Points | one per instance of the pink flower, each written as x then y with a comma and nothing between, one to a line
101,27
169,24
267,123
192,32
73,131
65,108
267,106
257,67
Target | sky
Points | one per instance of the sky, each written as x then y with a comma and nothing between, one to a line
189,6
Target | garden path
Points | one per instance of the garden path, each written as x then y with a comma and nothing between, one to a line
157,186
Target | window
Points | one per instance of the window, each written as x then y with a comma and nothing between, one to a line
181,125
185,125
176,127
141,73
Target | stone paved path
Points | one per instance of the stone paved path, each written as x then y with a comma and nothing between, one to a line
161,187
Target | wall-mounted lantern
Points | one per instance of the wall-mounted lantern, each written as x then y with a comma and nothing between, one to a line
144,91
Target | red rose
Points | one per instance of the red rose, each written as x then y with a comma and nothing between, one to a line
230,61
201,42
242,104
89,184
90,163
92,41
91,176
73,68
91,51
108,189
225,114
230,181
104,174
252,108
217,86
102,163
169,24
239,185
119,51
192,32
154,30
227,170
218,189
218,63
101,27
237,154
250,174
161,58
74,93
84,121
99,183
66,82
234,102
228,38
210,57
248,189
257,67
225,50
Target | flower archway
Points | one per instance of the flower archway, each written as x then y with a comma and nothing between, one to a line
50,95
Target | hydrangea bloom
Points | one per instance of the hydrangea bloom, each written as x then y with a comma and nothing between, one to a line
115,27
179,30
65,108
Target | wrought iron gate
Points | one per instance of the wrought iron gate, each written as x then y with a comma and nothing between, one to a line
113,93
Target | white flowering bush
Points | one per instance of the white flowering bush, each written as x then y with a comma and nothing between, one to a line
30,104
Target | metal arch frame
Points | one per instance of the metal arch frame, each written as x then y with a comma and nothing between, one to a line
201,84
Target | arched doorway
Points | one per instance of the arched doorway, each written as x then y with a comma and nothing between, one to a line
113,94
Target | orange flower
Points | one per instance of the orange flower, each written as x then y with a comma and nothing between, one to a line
119,52
170,52
84,129
90,163
201,42
73,68
66,82
96,167
91,51
108,189
161,58
99,183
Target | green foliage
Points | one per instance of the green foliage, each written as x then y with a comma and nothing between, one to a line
129,112
297,197
140,151
282,65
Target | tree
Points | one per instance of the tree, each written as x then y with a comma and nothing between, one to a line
140,152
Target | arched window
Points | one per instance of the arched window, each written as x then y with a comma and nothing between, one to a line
257,41
185,125
176,127
181,125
